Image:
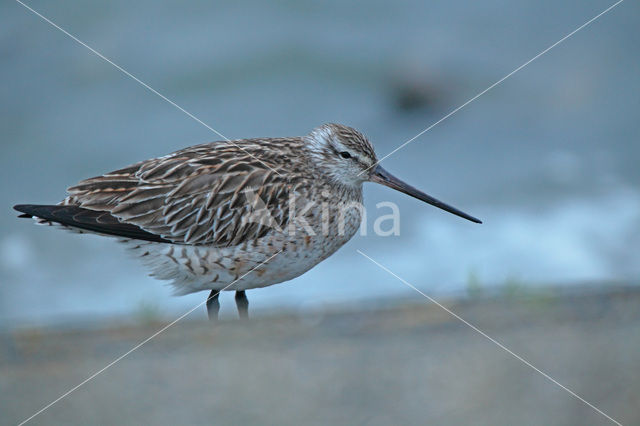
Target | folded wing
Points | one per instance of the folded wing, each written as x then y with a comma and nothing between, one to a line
201,195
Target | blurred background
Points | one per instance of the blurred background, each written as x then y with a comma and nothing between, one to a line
548,159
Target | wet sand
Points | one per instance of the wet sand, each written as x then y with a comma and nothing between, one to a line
412,363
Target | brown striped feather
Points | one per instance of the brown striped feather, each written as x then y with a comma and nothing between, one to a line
196,195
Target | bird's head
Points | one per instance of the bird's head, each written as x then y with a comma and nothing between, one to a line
348,158
342,153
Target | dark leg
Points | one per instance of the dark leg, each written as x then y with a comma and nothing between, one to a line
213,306
243,304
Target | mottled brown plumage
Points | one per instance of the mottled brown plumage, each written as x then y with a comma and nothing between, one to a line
197,195
192,215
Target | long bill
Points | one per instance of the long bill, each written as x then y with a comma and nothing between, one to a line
383,177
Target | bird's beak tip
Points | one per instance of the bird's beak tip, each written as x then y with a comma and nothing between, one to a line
379,175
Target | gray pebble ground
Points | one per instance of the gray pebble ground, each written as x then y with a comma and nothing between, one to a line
409,364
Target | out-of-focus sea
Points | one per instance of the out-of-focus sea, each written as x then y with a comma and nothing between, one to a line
549,159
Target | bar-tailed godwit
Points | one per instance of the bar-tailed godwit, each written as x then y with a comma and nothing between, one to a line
233,215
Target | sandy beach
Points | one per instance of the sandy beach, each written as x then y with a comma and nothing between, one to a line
412,363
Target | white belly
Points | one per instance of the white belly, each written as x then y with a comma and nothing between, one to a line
260,263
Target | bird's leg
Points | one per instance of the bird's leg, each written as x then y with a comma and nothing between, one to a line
213,306
243,304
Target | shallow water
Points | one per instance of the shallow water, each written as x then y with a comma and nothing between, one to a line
548,159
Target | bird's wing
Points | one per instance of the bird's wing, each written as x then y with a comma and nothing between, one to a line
214,194
82,219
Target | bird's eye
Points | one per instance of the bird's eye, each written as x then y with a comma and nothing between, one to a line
345,155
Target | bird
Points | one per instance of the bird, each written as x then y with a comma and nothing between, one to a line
233,215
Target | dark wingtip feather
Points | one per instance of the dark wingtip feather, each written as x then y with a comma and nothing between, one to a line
22,208
102,222
25,209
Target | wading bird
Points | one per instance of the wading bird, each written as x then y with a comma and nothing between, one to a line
192,216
